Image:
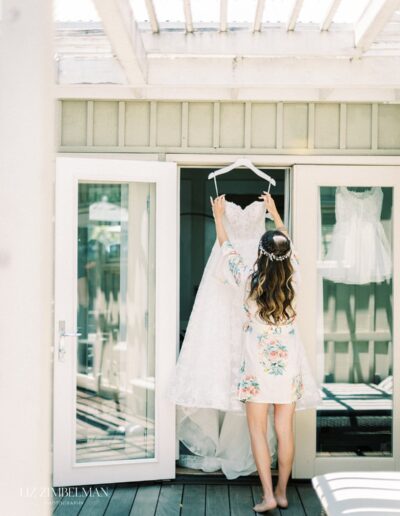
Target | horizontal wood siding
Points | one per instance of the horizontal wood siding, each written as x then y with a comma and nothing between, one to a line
220,127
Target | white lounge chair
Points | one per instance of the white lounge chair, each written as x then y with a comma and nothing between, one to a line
359,493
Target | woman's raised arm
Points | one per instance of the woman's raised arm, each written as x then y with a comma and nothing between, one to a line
230,268
271,208
218,208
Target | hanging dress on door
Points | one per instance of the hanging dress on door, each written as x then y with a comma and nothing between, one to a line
211,421
359,251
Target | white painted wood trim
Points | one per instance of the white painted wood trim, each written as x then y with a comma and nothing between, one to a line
395,345
152,16
281,160
372,22
223,15
335,464
107,155
330,13
343,126
294,14
216,121
312,93
374,126
58,120
153,124
247,125
121,123
187,9
125,38
279,126
185,125
89,123
311,126
259,15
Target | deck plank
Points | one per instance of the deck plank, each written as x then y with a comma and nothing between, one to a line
184,499
295,507
257,496
70,505
217,500
121,501
194,500
309,499
56,499
241,501
170,500
146,500
96,503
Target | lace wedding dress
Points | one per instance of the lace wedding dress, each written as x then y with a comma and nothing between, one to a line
211,422
359,251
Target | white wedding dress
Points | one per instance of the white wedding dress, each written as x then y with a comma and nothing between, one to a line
211,422
359,251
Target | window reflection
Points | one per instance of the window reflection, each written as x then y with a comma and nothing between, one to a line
355,326
115,353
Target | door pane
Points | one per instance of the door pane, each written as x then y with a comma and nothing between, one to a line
115,377
355,321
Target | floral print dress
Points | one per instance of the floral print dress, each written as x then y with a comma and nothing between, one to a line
274,367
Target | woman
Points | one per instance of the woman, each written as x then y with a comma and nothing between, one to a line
273,365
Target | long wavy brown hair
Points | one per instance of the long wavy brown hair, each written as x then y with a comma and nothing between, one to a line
271,283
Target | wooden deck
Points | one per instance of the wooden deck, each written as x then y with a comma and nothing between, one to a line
182,497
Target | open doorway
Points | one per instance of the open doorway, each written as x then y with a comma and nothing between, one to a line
197,232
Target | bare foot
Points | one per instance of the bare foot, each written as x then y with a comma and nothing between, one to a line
266,505
281,498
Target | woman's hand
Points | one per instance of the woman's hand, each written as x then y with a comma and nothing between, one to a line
218,206
272,209
269,203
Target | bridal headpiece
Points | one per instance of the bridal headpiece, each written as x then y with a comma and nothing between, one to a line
273,256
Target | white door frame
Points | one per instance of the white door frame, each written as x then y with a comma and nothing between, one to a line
306,180
70,170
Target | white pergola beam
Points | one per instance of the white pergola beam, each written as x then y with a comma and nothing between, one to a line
187,8
372,22
330,13
294,14
272,43
223,16
200,76
257,93
152,16
125,39
259,15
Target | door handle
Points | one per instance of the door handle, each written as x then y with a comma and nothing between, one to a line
61,335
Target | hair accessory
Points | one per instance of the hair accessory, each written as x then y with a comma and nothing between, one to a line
273,256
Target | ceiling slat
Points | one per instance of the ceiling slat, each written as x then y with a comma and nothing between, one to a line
259,15
187,8
152,16
223,17
330,13
294,14
372,22
125,39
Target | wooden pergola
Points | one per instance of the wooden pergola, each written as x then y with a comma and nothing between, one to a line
121,55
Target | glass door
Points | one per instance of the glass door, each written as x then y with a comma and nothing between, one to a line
344,229
115,320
